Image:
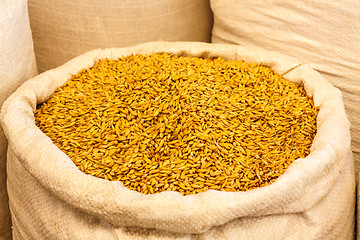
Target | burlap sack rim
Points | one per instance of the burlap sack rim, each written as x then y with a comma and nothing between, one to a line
171,211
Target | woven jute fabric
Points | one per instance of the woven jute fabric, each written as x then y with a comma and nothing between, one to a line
313,199
17,64
324,34
63,30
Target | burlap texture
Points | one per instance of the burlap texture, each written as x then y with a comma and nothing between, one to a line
314,199
63,30
17,64
325,34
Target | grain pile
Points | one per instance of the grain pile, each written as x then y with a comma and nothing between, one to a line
161,122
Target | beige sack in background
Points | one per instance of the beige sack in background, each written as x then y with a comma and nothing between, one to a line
65,29
313,199
325,34
17,64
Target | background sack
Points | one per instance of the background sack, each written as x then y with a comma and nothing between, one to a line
17,64
63,30
314,199
325,34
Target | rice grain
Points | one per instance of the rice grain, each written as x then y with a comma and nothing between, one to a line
173,123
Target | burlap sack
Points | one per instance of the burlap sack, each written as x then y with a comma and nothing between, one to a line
17,64
63,30
325,34
51,199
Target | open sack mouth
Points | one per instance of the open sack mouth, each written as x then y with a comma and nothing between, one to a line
135,120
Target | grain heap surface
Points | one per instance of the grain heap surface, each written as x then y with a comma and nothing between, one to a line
161,122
